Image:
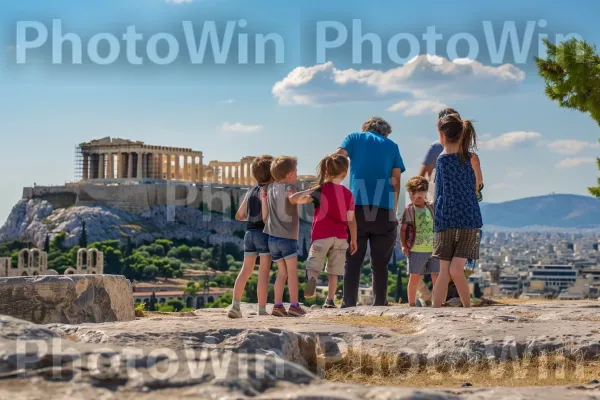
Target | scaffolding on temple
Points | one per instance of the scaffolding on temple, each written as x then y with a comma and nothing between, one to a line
78,164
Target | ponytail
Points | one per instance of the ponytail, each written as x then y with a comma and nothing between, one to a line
467,141
321,172
331,166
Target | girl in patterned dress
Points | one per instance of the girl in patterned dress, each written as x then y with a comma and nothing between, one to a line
457,215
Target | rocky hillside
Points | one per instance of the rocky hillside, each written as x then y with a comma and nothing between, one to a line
33,220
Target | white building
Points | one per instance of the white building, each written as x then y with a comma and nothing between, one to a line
555,277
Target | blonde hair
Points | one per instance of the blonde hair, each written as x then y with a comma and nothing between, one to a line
282,166
331,166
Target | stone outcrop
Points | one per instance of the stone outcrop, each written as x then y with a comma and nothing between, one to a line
205,355
72,299
33,220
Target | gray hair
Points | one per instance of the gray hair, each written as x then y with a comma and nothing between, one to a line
378,125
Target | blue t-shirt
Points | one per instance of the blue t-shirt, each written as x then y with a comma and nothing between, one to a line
456,205
372,158
433,153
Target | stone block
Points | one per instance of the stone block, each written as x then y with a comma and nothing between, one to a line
72,299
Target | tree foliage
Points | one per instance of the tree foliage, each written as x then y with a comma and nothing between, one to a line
571,72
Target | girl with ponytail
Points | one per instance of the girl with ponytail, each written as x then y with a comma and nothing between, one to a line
333,218
457,215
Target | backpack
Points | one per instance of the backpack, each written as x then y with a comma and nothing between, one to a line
408,218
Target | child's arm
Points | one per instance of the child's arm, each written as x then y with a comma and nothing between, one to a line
264,203
405,249
477,169
303,197
350,216
242,212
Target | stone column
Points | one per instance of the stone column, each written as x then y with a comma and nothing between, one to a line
110,170
100,166
177,159
129,165
186,176
149,161
86,167
194,170
159,165
140,165
121,173
169,167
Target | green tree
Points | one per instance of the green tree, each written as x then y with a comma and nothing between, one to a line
47,244
223,264
150,272
571,72
83,238
176,304
153,301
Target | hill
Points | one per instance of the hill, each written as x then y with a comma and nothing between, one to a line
551,211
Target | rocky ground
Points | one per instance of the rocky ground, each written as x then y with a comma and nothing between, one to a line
206,355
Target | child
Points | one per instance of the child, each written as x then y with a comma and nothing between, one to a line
416,236
457,214
282,226
334,215
255,240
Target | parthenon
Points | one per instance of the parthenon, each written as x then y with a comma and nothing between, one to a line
111,159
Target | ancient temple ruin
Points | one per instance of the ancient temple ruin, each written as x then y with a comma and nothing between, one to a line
114,159
34,262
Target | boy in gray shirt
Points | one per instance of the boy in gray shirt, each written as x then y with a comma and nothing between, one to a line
282,226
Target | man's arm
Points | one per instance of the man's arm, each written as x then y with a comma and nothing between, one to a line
351,217
396,180
342,152
426,171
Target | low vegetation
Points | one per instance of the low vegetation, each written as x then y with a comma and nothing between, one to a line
389,369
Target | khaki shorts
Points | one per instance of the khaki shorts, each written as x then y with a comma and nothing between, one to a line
332,249
459,243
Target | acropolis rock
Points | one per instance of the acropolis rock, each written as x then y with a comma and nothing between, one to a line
67,299
205,355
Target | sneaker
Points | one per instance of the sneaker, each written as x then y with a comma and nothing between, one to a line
310,289
329,304
296,311
279,312
262,311
234,312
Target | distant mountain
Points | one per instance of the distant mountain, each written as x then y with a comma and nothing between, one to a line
552,211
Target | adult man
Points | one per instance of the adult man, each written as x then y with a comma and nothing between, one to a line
375,173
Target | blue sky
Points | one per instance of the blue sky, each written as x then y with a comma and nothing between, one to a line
529,145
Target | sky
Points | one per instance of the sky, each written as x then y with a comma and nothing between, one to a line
133,69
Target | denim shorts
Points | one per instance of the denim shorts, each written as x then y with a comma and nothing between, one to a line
282,248
256,243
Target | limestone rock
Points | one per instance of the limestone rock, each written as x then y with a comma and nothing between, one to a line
67,299
33,220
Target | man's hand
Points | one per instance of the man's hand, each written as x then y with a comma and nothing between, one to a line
405,251
353,247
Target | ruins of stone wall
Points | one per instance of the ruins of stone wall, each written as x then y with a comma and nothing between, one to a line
34,262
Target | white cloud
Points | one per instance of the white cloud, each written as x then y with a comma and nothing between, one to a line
179,1
570,147
419,78
501,186
418,107
238,127
228,101
574,162
508,140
